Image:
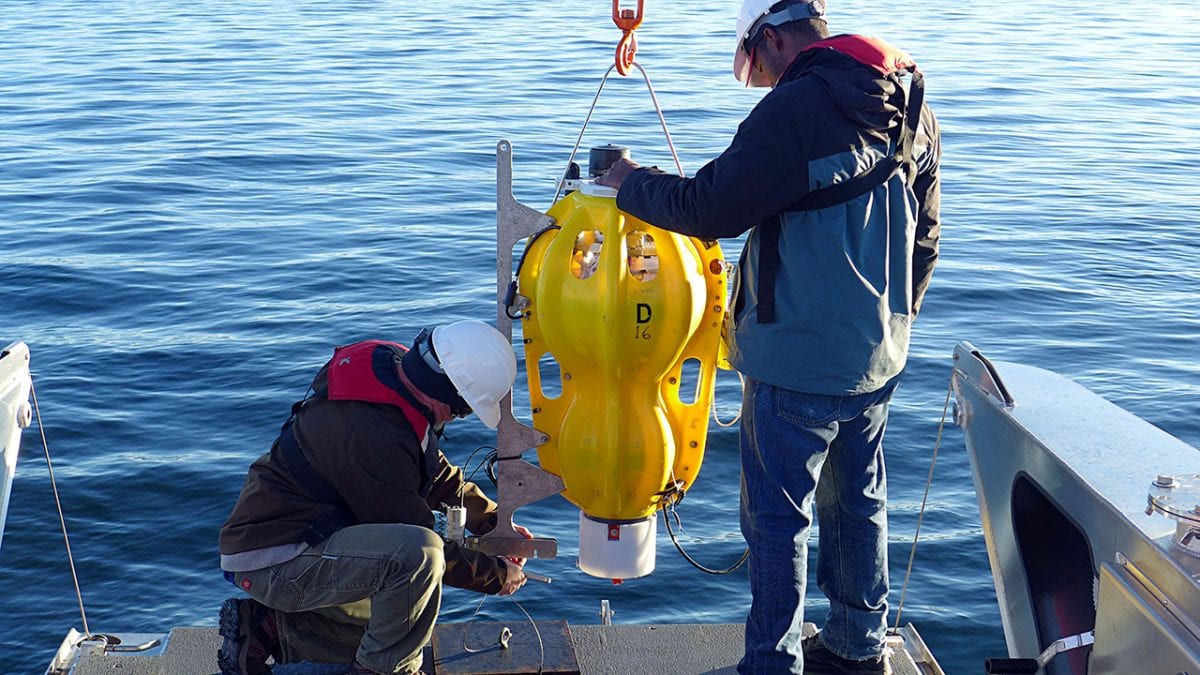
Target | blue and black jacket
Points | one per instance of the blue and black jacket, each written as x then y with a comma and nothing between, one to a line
850,277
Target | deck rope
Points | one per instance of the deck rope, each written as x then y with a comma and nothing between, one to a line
61,519
924,500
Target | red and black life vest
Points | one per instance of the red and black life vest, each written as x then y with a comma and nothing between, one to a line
354,375
363,371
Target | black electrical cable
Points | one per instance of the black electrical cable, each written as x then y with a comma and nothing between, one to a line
702,568
511,295
482,462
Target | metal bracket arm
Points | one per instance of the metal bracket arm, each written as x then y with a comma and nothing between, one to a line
518,482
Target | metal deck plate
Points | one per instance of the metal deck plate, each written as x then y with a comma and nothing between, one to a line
592,649
462,648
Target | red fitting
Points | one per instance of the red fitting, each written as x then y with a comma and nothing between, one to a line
627,20
626,49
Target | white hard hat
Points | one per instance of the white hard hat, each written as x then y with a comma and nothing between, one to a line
480,363
756,13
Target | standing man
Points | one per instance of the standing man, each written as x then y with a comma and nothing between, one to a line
333,534
835,174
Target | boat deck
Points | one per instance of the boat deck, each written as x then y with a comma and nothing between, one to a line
599,649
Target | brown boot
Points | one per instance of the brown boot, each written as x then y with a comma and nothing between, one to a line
250,637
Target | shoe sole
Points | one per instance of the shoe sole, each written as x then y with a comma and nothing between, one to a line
828,663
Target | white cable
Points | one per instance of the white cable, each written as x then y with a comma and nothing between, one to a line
921,516
657,109
738,416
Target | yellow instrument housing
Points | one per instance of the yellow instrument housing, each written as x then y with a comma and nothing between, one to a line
623,307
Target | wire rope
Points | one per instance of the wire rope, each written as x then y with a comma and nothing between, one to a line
587,119
924,500
61,518
738,416
532,623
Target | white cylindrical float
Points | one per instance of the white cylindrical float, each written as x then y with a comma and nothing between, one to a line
617,550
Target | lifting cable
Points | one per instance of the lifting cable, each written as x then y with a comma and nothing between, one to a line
627,20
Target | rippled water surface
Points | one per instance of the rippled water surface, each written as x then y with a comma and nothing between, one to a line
200,199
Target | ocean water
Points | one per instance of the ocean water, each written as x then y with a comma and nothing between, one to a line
199,200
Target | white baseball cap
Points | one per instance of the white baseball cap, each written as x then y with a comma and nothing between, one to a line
757,13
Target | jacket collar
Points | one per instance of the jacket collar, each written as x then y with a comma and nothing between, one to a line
873,52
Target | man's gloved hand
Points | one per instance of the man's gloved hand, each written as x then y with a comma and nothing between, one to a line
514,577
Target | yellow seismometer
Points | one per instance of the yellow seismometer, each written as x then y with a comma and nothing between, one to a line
632,316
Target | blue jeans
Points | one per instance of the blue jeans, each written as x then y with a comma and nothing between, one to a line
798,449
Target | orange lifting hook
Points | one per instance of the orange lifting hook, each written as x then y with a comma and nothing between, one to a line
627,20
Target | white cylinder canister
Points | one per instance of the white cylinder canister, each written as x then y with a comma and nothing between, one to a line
616,551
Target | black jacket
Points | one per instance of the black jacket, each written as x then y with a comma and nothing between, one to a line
369,453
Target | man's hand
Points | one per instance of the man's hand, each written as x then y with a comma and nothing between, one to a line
514,577
616,173
524,532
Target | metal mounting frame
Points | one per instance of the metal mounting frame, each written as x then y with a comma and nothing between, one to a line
518,482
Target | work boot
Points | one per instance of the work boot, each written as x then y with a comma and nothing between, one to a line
818,660
250,638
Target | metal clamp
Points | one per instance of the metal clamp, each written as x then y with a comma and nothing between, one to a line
1178,498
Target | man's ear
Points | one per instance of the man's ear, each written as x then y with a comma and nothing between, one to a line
772,37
